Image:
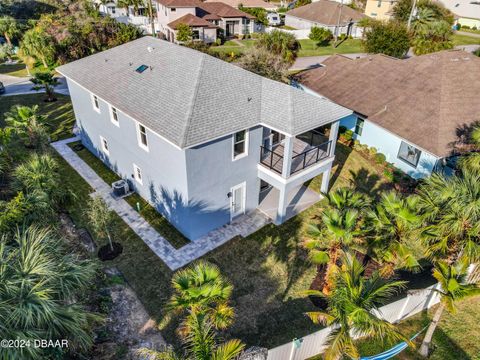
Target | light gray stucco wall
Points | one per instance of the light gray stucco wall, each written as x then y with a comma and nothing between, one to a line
211,175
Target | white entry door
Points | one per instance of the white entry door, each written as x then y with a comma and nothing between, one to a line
237,205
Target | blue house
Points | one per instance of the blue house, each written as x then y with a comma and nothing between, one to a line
415,111
202,140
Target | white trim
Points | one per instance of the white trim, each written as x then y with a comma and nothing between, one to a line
246,141
139,137
136,171
96,99
242,185
104,141
115,122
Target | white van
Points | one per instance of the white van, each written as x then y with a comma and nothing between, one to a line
274,19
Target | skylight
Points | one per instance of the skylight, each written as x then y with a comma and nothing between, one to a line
141,68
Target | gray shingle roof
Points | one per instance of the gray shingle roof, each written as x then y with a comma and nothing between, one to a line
190,98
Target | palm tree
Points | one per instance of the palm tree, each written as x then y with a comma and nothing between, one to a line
280,43
200,343
8,28
433,37
26,122
453,287
339,231
393,225
38,44
451,211
351,306
201,289
48,81
425,17
39,288
471,161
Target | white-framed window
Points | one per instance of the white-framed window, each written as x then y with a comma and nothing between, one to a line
114,115
142,137
137,174
409,154
240,144
359,126
104,144
95,103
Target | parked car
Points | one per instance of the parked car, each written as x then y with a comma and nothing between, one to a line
2,88
274,19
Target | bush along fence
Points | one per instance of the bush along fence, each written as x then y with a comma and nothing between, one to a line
313,344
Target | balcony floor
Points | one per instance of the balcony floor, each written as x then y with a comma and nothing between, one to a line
299,199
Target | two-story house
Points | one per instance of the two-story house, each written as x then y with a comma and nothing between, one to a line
205,19
202,140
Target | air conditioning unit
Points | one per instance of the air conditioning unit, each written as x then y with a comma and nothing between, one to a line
120,188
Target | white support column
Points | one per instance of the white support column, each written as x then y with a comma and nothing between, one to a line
333,136
326,180
282,206
287,156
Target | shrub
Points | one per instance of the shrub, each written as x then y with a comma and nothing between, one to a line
342,129
372,151
388,174
321,36
389,38
281,43
380,158
348,135
466,27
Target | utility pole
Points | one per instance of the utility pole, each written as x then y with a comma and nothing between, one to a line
150,14
337,30
411,14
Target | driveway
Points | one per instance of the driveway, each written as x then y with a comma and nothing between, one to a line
309,62
22,85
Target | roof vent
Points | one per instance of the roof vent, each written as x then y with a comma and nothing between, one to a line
141,69
149,49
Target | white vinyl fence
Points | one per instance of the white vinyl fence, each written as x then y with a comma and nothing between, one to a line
299,34
313,344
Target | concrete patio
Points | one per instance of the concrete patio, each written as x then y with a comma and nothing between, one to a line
299,199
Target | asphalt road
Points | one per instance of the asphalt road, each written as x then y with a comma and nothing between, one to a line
22,85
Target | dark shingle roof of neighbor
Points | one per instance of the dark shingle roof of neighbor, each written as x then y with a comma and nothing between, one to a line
191,20
189,97
424,99
222,10
326,12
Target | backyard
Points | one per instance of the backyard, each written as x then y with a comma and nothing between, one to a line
268,269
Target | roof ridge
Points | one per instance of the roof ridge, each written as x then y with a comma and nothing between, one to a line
183,136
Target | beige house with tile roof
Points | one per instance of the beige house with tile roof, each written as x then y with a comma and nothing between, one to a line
380,9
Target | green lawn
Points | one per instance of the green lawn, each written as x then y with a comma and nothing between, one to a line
233,47
157,221
60,113
465,40
18,70
349,46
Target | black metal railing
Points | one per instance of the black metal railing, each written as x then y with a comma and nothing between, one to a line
313,137
310,157
271,159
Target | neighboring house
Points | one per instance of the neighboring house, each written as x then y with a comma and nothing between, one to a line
412,110
467,12
249,4
338,18
380,9
202,140
204,19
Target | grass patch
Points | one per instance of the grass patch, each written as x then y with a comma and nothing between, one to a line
148,212
459,39
286,27
230,43
233,47
60,114
310,48
18,70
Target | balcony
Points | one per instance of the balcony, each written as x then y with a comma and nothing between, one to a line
308,149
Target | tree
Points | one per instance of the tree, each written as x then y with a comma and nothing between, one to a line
48,81
403,8
28,125
38,44
389,38
471,162
351,304
38,173
6,52
101,219
263,62
453,287
321,36
201,289
184,33
8,28
280,43
200,343
40,287
259,13
393,240
432,37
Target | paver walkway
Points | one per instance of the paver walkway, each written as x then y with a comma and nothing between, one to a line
173,258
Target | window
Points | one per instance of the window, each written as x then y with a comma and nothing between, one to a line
142,137
195,35
96,105
240,144
114,115
379,4
141,68
104,144
359,126
408,153
137,174
173,9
